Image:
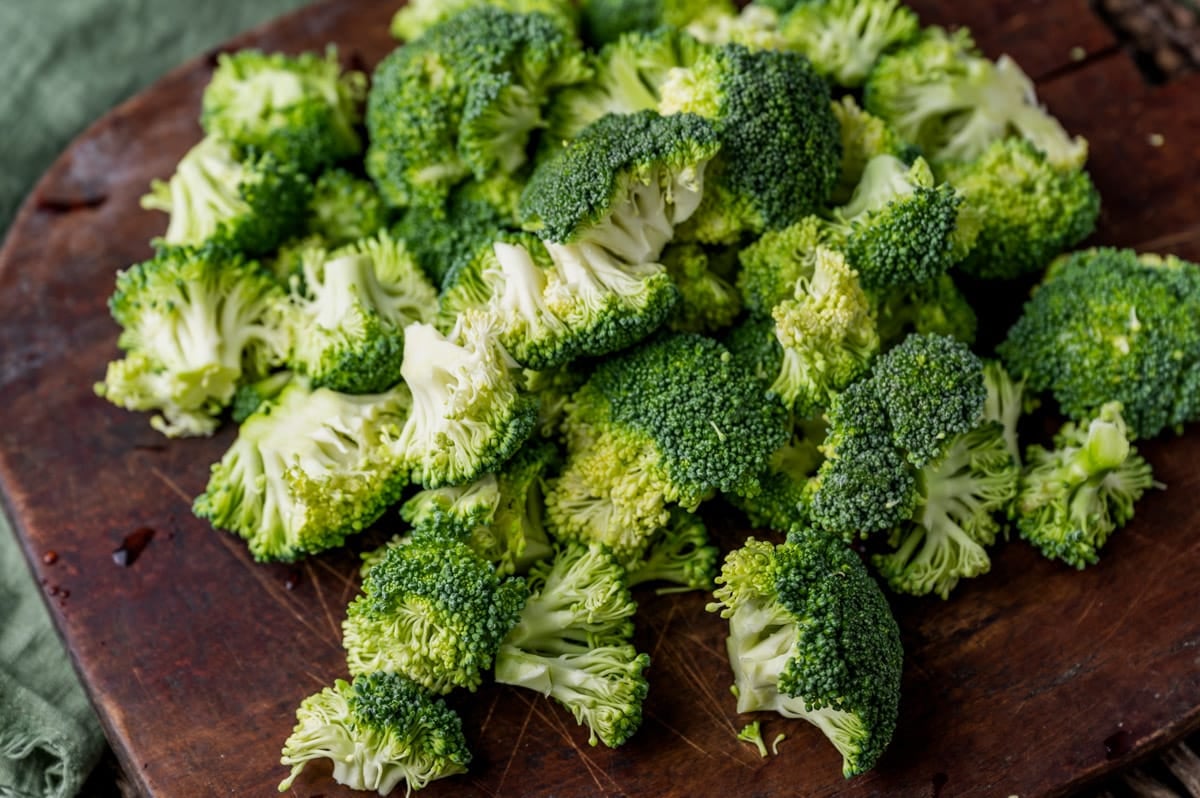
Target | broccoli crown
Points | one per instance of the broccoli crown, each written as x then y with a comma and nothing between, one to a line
679,554
308,468
811,636
772,116
935,307
348,323
248,206
1029,210
863,137
786,486
951,102
1110,325
707,300
463,100
433,611
903,230
827,331
301,109
378,732
344,209
572,643
195,322
417,16
773,264
605,21
844,38
1074,496
469,415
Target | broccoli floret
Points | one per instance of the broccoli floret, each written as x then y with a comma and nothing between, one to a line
469,415
344,209
935,307
462,100
572,643
301,109
752,733
863,137
773,264
708,302
249,396
554,388
844,38
1029,210
811,636
679,554
786,486
943,96
1074,496
433,611
308,468
464,286
348,321
516,272
670,422
418,16
498,515
378,732
195,322
755,26
605,20
827,331
247,206
1110,325
772,115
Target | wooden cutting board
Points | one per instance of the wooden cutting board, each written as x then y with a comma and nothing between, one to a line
1030,681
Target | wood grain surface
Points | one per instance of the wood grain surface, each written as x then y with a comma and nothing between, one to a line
1030,681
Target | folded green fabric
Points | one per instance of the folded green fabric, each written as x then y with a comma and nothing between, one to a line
65,64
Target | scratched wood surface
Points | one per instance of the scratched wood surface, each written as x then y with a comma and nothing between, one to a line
1031,681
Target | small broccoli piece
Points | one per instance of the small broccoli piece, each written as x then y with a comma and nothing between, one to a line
194,323
670,422
308,468
378,732
863,137
433,611
247,206
773,264
1029,209
1074,496
605,20
516,272
498,515
708,302
755,26
1110,325
418,16
942,95
786,486
302,109
249,396
344,209
844,38
463,100
752,733
772,115
811,636
827,331
348,322
572,643
464,286
935,307
469,415
680,554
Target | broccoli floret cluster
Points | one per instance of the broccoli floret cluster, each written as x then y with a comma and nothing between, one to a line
605,20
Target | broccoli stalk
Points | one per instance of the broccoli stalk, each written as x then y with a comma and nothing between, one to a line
679,554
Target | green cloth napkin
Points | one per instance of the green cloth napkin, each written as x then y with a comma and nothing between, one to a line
66,62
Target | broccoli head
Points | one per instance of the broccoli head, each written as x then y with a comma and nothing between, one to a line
844,38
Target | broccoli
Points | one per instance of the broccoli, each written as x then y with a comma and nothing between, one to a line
756,349
752,733
844,38
605,20
380,731
863,137
935,307
433,611
462,101
811,636
773,264
349,320
572,643
910,451
249,396
308,468
301,109
554,388
194,323
670,422
344,209
246,206
418,16
773,118
707,300
469,414
785,487
1029,209
680,554
1006,402
755,26
498,515
464,285
1109,325
1074,496
943,96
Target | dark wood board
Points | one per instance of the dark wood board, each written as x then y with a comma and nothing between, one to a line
196,657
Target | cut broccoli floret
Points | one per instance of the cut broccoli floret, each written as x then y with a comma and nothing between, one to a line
433,611
247,206
418,16
811,636
605,20
1074,496
378,732
572,643
755,26
302,109
1110,325
679,554
844,38
772,264
708,302
308,468
469,415
863,137
194,324
344,209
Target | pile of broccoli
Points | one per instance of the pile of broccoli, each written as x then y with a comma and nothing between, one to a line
569,275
